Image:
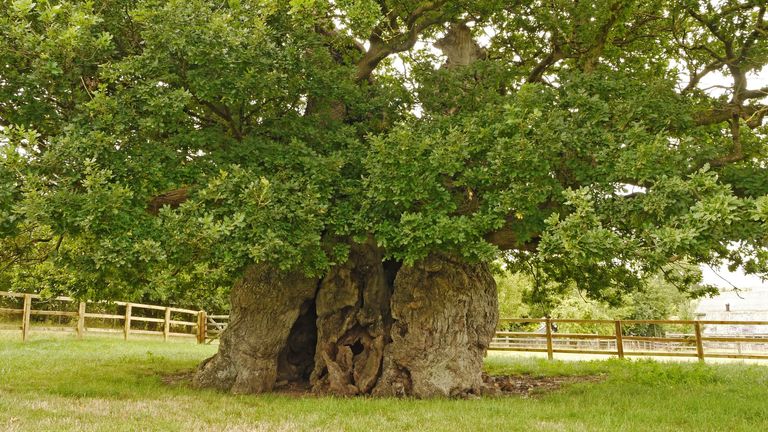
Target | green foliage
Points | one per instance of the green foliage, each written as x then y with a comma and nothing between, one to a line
578,146
513,289
657,299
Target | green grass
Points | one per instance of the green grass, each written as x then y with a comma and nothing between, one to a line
105,384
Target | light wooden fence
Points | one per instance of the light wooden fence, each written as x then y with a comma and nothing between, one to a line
171,321
615,342
611,341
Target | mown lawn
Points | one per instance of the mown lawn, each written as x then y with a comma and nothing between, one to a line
105,384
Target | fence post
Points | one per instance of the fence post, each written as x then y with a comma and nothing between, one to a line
127,320
550,353
619,340
201,327
80,320
167,324
699,343
27,310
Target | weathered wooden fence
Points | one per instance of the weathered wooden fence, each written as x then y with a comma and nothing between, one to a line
167,321
610,340
615,342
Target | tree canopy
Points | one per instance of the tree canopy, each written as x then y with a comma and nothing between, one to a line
156,148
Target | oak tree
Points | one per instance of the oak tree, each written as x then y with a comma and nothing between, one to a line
350,167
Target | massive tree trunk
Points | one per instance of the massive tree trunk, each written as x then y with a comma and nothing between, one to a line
444,315
372,327
353,322
270,334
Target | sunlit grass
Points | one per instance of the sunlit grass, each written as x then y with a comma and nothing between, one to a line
105,384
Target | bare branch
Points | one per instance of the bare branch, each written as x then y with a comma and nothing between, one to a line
696,78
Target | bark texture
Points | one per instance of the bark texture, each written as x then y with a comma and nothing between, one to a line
269,333
459,47
353,322
444,316
372,327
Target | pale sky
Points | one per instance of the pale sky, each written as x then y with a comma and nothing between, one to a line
738,278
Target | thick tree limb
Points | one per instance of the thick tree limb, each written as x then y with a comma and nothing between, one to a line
506,239
423,17
760,29
755,94
737,153
172,198
334,34
537,73
590,60
459,47
720,115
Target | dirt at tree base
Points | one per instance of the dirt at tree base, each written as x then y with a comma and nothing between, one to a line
494,386
523,385
528,385
368,327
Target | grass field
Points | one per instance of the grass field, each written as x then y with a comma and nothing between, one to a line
105,384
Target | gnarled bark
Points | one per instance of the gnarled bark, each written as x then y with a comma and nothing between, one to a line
372,327
444,316
353,321
267,333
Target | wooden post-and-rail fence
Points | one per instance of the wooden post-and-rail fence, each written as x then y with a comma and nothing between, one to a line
198,323
617,343
613,340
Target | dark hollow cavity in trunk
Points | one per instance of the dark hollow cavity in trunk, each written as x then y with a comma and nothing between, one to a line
353,321
266,305
368,327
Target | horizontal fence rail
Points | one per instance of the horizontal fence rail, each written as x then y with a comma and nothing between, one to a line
611,338
167,321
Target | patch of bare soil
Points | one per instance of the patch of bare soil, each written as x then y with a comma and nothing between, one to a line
183,378
529,386
495,385
295,389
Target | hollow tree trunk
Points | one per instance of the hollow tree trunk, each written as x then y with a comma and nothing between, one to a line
372,327
353,321
444,316
269,336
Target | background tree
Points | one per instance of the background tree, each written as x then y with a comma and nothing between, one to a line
353,183
656,300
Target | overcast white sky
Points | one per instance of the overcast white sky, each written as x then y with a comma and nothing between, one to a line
716,277
756,80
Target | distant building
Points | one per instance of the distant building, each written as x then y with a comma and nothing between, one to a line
750,304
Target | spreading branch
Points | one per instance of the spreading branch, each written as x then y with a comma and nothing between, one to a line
383,45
